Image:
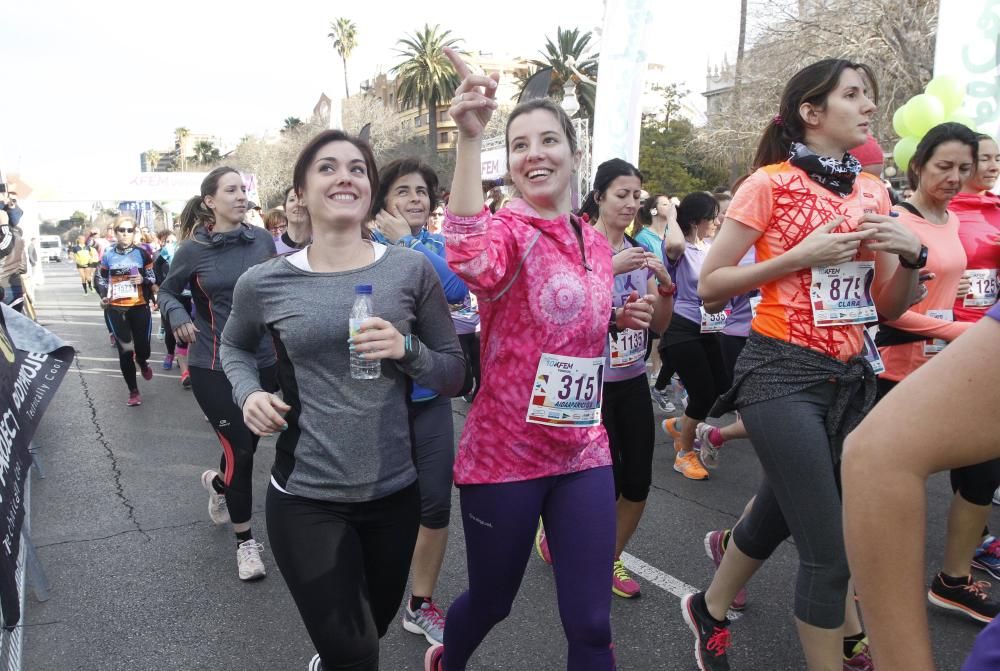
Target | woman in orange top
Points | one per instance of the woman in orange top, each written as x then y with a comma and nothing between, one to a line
829,257
944,158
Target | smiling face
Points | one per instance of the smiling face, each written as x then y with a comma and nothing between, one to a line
540,160
337,189
620,202
987,168
941,177
409,196
844,120
229,202
295,211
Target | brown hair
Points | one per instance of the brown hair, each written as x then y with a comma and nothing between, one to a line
163,235
121,219
812,84
308,155
275,218
402,167
645,214
195,212
934,138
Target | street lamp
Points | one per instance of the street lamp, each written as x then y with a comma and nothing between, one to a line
570,104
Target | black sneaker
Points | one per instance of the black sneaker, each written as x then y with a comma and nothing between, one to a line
711,636
971,598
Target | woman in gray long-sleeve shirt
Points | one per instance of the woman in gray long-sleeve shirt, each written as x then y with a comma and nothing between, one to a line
217,248
343,506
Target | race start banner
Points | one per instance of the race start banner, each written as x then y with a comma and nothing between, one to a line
28,381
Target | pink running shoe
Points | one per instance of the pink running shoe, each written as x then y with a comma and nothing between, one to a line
542,544
432,658
622,582
133,399
714,549
861,659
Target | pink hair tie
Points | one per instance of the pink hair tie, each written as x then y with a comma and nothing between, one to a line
778,121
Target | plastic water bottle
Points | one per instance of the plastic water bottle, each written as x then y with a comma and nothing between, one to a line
361,368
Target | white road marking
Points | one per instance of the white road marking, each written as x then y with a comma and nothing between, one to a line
664,581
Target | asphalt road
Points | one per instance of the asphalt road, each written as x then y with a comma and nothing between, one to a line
142,580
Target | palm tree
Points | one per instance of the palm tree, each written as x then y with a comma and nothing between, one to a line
344,34
205,152
426,76
152,158
292,123
571,48
181,134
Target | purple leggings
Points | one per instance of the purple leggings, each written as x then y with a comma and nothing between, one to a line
500,520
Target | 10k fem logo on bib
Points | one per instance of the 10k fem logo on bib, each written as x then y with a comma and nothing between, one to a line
842,294
567,391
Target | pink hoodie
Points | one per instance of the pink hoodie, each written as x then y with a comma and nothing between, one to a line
535,295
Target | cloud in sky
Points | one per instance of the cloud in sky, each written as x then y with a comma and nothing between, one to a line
92,85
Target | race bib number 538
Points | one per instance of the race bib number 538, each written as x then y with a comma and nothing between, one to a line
842,294
567,391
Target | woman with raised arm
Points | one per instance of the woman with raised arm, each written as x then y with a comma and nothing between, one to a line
533,443
829,258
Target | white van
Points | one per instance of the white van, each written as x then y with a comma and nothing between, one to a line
51,248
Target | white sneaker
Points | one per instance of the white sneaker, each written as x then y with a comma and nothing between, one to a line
315,664
660,397
996,497
218,512
248,560
708,452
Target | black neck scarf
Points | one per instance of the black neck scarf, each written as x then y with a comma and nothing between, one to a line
836,175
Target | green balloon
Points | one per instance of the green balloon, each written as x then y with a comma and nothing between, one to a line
949,90
923,112
964,119
903,152
899,122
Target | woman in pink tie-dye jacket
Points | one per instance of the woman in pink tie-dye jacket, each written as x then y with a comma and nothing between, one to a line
533,445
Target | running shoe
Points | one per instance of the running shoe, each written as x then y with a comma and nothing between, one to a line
670,426
711,637
168,362
218,511
315,664
661,399
687,464
715,548
186,379
987,557
248,560
133,399
971,598
147,372
622,583
707,450
432,658
996,497
427,621
542,544
861,657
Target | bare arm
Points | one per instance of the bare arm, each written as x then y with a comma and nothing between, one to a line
674,242
885,469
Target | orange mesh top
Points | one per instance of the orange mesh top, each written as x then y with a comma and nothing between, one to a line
785,205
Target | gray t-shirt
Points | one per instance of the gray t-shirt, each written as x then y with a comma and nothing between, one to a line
347,440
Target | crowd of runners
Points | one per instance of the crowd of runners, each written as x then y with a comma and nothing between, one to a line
790,305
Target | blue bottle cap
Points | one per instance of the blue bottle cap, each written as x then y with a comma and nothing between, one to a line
363,289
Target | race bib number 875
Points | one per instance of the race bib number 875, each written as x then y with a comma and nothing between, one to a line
843,294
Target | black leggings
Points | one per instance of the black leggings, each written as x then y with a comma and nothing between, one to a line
470,347
346,566
732,346
434,456
666,369
699,365
627,416
131,328
215,397
975,483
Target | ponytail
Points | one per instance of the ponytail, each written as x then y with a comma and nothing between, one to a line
589,209
193,215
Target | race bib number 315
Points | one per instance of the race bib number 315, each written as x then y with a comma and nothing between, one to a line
567,392
842,294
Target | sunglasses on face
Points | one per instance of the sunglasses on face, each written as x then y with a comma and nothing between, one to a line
124,230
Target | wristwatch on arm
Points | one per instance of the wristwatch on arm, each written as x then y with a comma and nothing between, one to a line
919,263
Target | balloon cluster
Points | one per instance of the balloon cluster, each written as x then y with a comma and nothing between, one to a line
940,102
